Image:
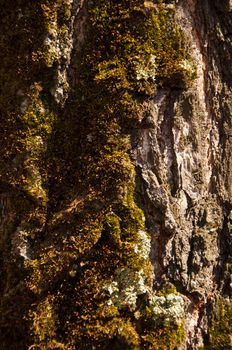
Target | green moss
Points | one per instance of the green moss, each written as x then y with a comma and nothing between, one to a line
27,121
128,52
148,44
165,289
44,326
162,320
220,329
113,229
75,175
163,337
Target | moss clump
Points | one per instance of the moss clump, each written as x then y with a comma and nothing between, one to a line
220,333
44,326
92,235
165,289
163,320
96,235
144,46
27,121
163,337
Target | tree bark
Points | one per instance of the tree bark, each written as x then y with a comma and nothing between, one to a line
115,174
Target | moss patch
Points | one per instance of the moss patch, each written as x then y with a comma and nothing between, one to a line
73,168
163,320
27,114
163,337
220,334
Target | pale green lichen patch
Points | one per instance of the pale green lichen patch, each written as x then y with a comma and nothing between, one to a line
163,320
126,288
169,308
143,244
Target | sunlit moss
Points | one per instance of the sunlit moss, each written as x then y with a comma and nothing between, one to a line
220,334
129,51
92,233
44,326
27,122
163,337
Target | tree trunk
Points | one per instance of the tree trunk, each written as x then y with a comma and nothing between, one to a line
115,174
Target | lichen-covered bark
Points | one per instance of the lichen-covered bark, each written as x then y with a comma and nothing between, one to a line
115,181
183,159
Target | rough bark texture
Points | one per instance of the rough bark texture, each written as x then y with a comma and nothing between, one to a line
115,174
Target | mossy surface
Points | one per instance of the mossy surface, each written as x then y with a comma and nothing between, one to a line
27,117
163,320
220,331
74,183
163,337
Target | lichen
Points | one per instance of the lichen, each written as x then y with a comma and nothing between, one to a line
169,308
163,319
126,288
